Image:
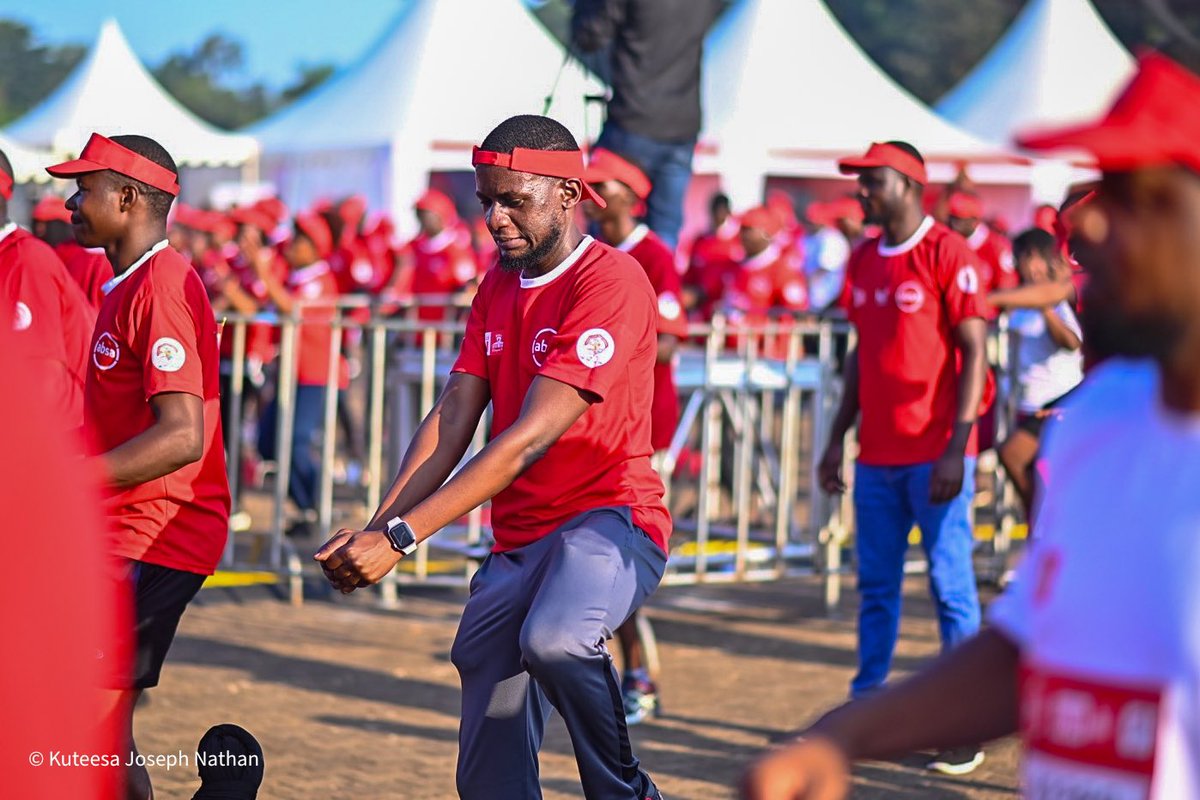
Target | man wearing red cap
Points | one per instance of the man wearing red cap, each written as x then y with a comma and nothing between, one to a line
827,248
561,341
151,404
443,262
48,311
993,249
1093,651
624,187
713,260
309,295
915,302
769,279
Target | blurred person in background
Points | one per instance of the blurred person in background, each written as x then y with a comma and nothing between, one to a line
827,249
993,249
1092,654
443,262
769,281
88,266
654,54
713,260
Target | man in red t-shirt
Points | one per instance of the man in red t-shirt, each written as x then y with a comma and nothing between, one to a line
997,268
713,260
915,302
443,262
624,188
48,312
151,403
769,282
89,268
561,340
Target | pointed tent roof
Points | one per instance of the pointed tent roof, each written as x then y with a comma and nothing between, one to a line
442,76
1058,63
28,164
112,93
782,77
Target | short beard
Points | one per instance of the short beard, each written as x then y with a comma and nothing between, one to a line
535,256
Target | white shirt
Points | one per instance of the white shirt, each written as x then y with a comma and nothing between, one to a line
1106,607
1045,371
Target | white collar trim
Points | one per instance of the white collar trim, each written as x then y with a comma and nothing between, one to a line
763,259
116,280
561,269
909,243
306,274
634,238
436,244
6,230
978,237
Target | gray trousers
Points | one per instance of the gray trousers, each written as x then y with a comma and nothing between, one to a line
531,637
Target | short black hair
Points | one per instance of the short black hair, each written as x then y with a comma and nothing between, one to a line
158,201
531,132
718,201
1035,240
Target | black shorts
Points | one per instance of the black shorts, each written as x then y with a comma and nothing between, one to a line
1033,423
160,594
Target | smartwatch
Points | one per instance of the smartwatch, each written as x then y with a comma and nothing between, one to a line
401,536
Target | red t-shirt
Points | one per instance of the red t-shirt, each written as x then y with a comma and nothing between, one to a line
442,265
997,270
260,337
590,323
906,302
712,265
52,317
316,289
770,280
155,334
656,259
89,268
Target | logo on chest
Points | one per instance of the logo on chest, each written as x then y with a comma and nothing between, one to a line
541,345
910,297
106,352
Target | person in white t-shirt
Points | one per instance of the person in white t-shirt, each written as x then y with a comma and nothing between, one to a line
1095,653
1047,354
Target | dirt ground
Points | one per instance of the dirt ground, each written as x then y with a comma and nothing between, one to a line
350,701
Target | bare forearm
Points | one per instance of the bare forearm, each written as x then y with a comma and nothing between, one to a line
847,411
157,451
667,345
1032,295
426,465
1059,332
967,696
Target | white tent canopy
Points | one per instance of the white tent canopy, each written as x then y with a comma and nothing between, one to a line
445,74
787,91
1057,64
112,93
28,164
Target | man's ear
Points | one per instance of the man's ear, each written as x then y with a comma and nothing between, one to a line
571,192
127,196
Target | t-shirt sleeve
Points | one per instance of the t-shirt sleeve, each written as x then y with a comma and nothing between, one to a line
957,273
164,331
38,313
846,299
792,287
610,320
665,281
472,356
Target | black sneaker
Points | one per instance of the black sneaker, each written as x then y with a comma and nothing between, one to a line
957,760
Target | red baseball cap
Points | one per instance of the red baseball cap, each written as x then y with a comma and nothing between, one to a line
274,208
606,165
881,154
1154,121
314,226
819,213
846,208
50,209
762,219
437,202
101,153
255,217
965,206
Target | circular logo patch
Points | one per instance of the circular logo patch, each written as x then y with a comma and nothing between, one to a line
794,293
668,305
541,345
595,347
968,280
106,352
167,355
362,271
22,317
910,297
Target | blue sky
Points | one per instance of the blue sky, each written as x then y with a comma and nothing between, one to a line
277,36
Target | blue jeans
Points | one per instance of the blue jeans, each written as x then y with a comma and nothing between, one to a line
306,469
668,165
887,501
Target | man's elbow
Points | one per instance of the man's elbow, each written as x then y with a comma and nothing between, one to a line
187,446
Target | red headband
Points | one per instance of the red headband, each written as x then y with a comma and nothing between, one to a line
101,153
6,186
551,163
886,155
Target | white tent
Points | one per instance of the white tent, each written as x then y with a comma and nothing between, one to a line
28,163
1058,63
110,92
787,91
443,76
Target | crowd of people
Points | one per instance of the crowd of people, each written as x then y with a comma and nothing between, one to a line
575,306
